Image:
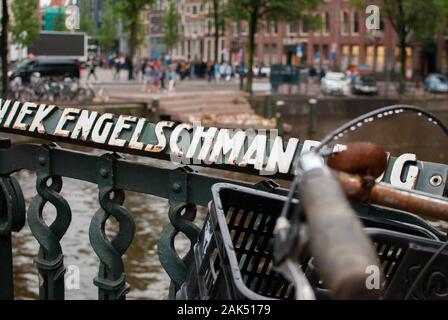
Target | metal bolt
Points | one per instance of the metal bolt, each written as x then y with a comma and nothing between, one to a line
436,180
104,173
176,187
42,161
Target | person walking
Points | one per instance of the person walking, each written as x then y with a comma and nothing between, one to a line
117,64
92,67
130,66
172,76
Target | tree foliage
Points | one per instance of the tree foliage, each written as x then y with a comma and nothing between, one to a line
85,19
26,22
218,16
171,24
130,14
59,21
254,11
106,34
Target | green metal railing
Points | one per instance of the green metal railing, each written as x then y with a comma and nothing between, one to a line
183,187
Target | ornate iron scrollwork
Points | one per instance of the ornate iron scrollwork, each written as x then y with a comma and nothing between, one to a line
111,279
175,266
50,257
12,219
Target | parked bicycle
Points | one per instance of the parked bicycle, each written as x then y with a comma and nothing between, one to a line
55,90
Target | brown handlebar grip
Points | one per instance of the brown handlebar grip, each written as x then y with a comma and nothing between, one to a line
342,250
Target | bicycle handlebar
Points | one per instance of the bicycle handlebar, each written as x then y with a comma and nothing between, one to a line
342,250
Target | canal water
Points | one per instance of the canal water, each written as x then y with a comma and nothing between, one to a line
406,133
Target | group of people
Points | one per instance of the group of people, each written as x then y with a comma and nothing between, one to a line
162,74
220,71
157,74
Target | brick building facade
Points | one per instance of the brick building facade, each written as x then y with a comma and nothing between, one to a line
342,40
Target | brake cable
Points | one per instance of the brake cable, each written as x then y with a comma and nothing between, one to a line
283,227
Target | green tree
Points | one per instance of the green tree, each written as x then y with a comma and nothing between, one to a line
85,20
415,19
26,22
254,11
106,34
59,21
218,16
171,24
4,47
130,14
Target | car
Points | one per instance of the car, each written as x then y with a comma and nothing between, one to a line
46,67
364,84
262,72
335,83
436,83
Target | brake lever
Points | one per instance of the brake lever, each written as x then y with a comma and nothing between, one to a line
294,274
285,244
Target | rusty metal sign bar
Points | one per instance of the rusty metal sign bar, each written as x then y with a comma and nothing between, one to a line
260,152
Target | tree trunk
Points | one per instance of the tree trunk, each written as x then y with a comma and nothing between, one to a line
253,21
402,85
132,47
4,49
217,28
402,35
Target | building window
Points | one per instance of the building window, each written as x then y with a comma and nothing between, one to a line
267,27
292,27
316,16
274,27
355,55
304,26
345,57
345,18
325,53
380,58
316,53
274,53
370,56
355,22
325,23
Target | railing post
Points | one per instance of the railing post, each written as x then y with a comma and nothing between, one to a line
49,260
181,215
111,279
312,116
12,218
279,115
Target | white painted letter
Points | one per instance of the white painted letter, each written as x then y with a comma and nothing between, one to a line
120,126
67,115
281,160
100,134
397,169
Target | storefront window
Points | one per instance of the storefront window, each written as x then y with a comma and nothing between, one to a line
355,55
380,58
370,56
345,58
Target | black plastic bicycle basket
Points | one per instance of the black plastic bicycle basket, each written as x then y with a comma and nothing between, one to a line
233,255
